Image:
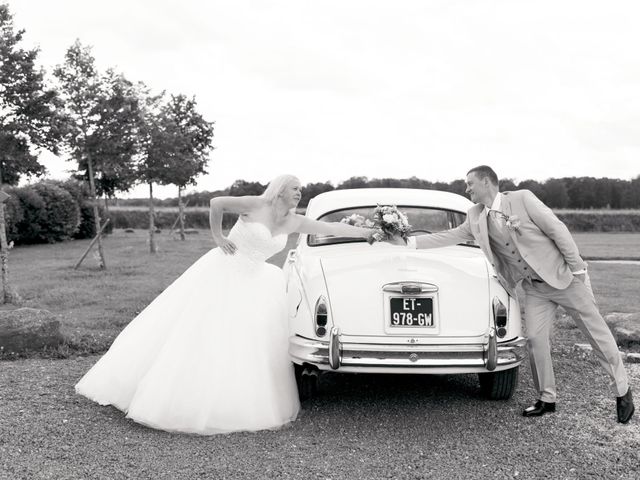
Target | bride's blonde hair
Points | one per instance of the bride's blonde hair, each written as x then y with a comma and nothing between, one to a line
276,187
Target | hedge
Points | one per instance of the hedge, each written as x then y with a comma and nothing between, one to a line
576,221
164,219
601,221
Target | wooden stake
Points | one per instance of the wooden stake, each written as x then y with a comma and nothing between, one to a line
173,227
95,239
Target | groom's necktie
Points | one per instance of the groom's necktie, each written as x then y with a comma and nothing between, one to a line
497,218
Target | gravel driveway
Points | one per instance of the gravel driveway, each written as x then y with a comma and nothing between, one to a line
360,427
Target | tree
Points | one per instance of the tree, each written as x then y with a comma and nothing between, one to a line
102,129
29,121
534,187
630,194
153,150
242,187
191,138
114,142
506,185
353,182
556,193
581,191
80,86
310,190
29,115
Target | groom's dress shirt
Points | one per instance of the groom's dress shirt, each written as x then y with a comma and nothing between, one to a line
504,248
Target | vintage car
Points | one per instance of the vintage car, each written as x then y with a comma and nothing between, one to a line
385,308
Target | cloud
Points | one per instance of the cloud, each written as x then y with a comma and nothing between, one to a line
333,89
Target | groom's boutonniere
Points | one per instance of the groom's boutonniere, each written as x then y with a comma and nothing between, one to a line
512,222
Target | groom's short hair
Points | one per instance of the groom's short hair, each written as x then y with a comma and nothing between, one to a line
485,171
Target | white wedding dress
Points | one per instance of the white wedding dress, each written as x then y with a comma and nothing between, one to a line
210,353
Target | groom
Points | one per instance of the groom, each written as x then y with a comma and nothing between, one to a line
525,242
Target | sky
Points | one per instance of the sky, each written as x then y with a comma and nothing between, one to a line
331,89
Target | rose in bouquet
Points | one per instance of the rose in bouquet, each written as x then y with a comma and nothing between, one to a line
390,222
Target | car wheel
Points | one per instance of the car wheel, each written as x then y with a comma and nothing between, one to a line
307,381
499,385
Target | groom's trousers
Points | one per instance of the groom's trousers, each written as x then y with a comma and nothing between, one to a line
578,300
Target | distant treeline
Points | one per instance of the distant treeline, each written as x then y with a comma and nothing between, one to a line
567,192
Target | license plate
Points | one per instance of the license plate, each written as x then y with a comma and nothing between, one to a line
411,312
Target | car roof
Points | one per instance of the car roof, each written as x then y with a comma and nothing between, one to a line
360,197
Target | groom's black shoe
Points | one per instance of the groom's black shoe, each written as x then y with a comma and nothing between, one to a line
625,407
539,409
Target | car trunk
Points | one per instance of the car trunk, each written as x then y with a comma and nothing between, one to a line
358,304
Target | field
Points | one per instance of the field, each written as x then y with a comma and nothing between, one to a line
93,305
359,427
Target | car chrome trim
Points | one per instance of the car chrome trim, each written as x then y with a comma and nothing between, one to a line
335,354
334,348
410,288
491,353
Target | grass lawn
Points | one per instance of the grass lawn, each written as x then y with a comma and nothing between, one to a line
599,245
93,305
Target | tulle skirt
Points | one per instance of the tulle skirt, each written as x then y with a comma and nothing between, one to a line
208,355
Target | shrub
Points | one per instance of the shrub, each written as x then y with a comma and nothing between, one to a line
76,188
601,221
13,214
29,227
62,214
79,190
87,227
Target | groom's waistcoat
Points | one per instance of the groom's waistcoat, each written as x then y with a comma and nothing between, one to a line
543,241
505,252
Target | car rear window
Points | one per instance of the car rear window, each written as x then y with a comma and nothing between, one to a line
422,220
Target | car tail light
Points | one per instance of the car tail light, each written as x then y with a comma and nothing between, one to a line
321,317
500,317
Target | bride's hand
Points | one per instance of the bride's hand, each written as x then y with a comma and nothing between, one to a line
227,246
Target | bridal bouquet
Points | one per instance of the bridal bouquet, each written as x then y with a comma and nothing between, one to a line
357,221
390,222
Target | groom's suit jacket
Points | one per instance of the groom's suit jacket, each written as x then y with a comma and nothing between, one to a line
544,241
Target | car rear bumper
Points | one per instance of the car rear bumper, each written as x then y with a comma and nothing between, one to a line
337,355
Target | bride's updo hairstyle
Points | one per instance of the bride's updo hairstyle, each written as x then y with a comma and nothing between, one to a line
276,187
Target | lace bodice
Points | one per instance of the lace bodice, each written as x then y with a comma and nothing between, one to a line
255,241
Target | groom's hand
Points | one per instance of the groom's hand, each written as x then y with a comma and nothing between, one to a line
396,240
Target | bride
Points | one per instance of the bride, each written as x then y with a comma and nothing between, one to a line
209,354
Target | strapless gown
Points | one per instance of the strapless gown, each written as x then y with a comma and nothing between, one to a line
210,354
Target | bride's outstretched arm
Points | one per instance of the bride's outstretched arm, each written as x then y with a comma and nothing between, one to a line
220,205
339,229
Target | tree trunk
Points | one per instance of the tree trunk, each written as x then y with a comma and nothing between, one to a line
96,210
106,207
181,213
5,295
152,227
